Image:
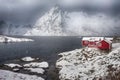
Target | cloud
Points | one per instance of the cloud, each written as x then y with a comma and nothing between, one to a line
28,10
95,4
21,10
80,23
102,3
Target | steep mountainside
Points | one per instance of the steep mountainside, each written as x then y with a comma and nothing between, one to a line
51,24
58,22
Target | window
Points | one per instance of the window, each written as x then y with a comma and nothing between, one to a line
99,44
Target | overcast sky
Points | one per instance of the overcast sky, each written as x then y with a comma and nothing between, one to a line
25,11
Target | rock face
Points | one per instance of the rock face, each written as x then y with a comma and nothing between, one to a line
51,24
89,64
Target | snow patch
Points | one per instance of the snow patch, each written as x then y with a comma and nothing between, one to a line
37,64
36,70
8,75
27,59
12,65
11,39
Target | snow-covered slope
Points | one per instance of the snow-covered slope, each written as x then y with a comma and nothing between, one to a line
89,64
58,22
50,24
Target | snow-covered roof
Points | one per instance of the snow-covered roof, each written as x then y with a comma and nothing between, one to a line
98,39
93,38
108,41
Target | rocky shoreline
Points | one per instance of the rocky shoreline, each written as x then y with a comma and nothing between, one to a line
90,64
30,66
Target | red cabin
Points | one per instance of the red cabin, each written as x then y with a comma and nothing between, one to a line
97,42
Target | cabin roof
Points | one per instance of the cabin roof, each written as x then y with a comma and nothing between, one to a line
93,38
109,40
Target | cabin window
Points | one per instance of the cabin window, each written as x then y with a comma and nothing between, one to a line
86,42
99,44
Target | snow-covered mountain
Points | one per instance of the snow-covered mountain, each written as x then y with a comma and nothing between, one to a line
57,22
51,24
14,29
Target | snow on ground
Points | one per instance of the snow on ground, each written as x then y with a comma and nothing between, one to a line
27,59
36,70
37,64
30,67
89,64
115,45
11,39
8,75
12,65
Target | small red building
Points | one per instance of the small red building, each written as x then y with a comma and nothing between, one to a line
97,42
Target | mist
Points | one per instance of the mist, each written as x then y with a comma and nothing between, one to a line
81,23
96,16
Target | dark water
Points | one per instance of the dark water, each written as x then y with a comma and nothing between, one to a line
46,48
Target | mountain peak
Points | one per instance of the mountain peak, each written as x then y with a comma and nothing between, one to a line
49,24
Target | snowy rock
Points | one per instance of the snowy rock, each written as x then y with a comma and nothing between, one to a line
27,59
37,64
10,39
12,65
89,64
51,24
36,70
16,69
8,75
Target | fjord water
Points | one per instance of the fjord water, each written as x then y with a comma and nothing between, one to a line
45,48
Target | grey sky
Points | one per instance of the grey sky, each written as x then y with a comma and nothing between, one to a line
27,10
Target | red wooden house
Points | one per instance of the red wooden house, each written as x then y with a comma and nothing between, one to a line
97,42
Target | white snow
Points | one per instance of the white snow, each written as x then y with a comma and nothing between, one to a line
58,22
8,75
11,39
97,38
49,24
36,70
37,64
89,64
93,38
12,65
16,69
27,59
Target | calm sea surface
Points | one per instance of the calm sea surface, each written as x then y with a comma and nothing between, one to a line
46,48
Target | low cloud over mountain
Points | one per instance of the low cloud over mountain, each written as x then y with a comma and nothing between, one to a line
78,17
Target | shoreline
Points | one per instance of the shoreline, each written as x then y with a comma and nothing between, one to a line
51,73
